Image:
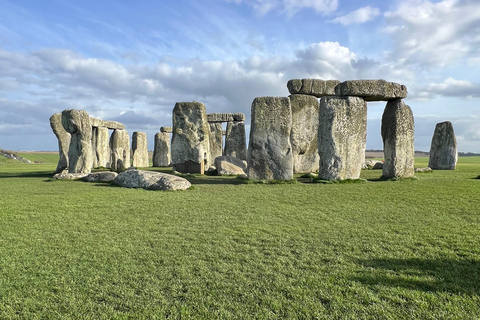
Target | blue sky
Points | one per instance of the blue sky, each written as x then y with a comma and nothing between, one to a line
131,61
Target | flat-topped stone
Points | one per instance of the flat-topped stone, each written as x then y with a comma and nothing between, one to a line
225,117
151,180
166,129
372,90
95,122
312,87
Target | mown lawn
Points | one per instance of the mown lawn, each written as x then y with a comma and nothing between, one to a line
226,250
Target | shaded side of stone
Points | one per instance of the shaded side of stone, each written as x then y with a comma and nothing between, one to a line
304,133
63,141
166,129
269,150
236,140
342,136
443,150
161,151
216,139
140,150
313,87
120,147
398,140
104,176
80,153
372,90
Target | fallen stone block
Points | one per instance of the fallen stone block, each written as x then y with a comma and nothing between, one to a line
150,180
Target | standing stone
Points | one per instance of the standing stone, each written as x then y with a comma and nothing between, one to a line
80,155
443,150
190,140
140,150
269,149
63,141
236,140
120,147
342,136
304,133
161,151
398,139
216,139
102,148
94,146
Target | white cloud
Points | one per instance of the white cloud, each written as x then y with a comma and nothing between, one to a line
361,15
454,88
289,7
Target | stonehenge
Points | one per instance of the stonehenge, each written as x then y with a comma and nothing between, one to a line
235,136
443,150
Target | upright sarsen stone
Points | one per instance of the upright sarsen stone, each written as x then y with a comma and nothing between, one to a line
161,151
236,140
269,150
120,147
304,133
63,141
342,136
102,148
140,150
190,140
443,150
216,139
80,153
398,140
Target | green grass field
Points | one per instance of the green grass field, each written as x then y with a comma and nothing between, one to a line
226,250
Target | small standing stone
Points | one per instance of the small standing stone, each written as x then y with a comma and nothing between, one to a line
102,147
443,150
140,150
216,139
236,140
120,146
161,151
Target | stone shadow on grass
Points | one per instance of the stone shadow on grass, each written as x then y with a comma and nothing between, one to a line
30,174
460,276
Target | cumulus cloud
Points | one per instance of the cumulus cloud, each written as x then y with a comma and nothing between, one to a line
361,15
454,88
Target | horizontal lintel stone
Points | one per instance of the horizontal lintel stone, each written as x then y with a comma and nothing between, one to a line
372,90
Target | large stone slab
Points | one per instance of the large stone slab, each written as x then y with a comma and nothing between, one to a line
80,153
304,133
225,117
102,147
236,140
120,147
102,176
372,90
269,150
190,140
313,87
140,150
227,166
161,151
216,139
150,180
398,140
63,138
342,136
113,125
443,150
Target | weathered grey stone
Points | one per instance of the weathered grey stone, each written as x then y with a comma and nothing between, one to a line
216,139
225,117
102,148
65,175
166,129
227,166
80,153
133,178
102,176
378,165
371,90
120,147
190,140
95,122
342,135
313,87
161,151
422,170
269,150
369,163
63,141
443,150
304,133
398,139
140,150
236,140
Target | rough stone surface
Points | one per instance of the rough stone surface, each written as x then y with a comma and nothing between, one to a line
425,169
313,87
103,176
443,150
398,139
342,135
216,139
102,148
63,141
304,133
269,150
151,180
95,122
65,175
120,146
236,140
372,90
140,150
225,117
190,140
80,153
161,151
373,164
166,129
227,165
